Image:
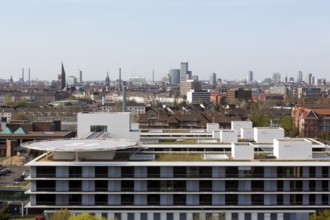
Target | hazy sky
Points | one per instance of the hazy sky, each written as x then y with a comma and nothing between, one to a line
228,37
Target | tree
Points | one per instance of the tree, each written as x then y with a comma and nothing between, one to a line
286,122
5,213
62,214
260,120
320,215
21,116
85,216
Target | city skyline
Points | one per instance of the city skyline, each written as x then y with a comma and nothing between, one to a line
228,38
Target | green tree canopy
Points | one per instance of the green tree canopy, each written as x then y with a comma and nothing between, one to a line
62,214
286,122
321,215
85,216
260,120
5,213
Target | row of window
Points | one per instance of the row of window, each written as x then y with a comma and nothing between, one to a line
192,172
184,186
182,199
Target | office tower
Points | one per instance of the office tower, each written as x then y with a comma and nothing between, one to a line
250,76
213,80
276,78
300,77
309,79
184,71
79,75
61,79
23,75
29,77
174,76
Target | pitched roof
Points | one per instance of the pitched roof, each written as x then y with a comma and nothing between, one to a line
20,130
6,131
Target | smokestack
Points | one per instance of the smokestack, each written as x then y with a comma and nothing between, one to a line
119,80
124,97
22,75
29,76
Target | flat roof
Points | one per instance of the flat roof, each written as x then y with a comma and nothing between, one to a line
81,145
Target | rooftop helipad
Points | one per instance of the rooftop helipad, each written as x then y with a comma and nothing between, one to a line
79,145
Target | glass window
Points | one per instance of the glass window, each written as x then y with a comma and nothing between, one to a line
99,128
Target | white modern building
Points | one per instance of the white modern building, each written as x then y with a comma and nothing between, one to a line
116,178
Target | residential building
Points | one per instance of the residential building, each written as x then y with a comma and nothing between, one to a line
312,120
309,92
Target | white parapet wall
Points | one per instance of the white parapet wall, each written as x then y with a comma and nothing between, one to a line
238,125
247,133
228,136
216,134
212,127
267,135
242,151
293,149
117,124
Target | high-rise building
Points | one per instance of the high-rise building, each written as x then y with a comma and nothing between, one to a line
250,76
300,77
184,71
276,78
188,85
61,79
79,75
174,76
309,79
213,80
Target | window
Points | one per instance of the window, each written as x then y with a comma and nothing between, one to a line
99,128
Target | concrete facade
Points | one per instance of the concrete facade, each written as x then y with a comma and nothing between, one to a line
267,135
292,149
228,136
118,124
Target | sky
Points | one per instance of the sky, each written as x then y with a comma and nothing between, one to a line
226,37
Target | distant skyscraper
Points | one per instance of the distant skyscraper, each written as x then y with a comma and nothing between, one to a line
61,79
29,77
250,76
213,80
174,76
184,71
23,75
300,77
309,79
79,75
276,78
